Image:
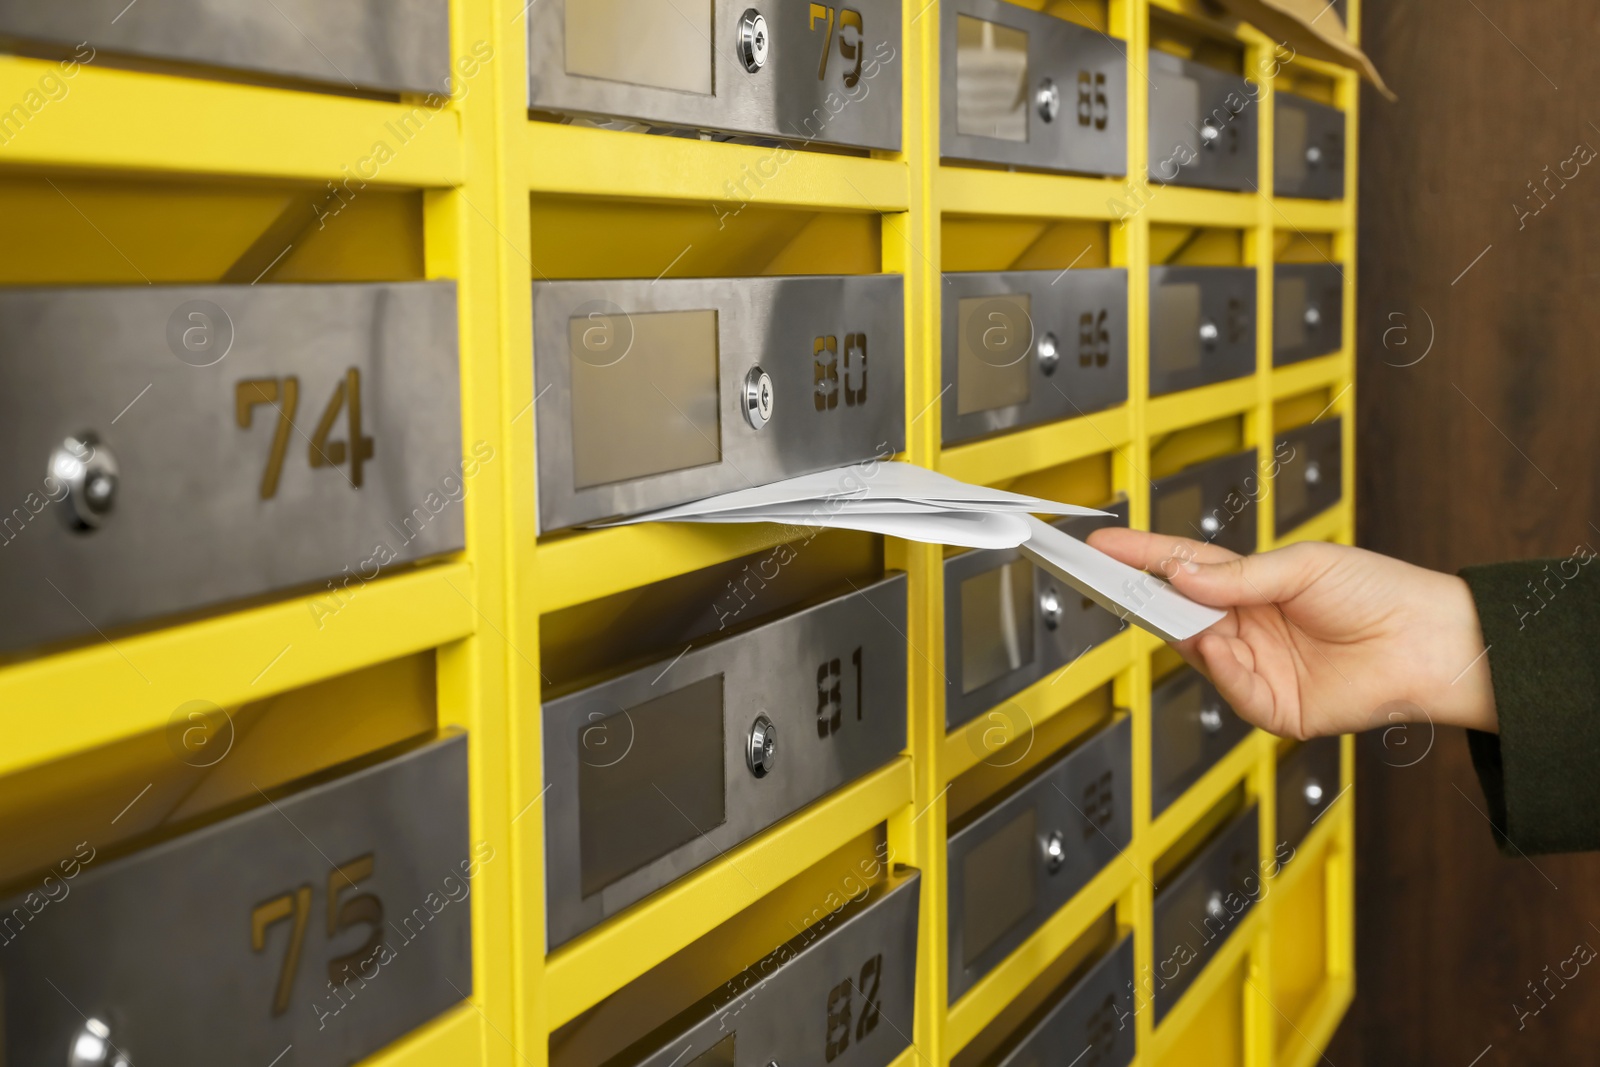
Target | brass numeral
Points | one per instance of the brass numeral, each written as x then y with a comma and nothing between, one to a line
343,913
283,396
297,904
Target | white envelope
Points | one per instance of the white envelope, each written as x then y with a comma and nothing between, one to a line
966,529
1125,592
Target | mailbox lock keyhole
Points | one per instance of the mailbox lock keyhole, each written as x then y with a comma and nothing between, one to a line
1313,793
759,398
1210,718
1209,334
1048,353
1313,473
1313,156
762,752
1055,851
1209,134
88,470
1313,317
1050,608
92,1047
753,40
1215,908
1048,100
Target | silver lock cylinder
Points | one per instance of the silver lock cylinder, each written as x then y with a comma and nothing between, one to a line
1313,473
92,1047
1050,608
753,43
1048,353
759,399
1211,718
1210,526
86,468
1209,134
1313,317
1313,792
761,751
1054,848
1048,100
1209,334
1313,156
1215,907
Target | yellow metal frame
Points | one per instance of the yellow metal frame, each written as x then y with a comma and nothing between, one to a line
479,164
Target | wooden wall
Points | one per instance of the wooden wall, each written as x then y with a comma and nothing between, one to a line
1479,439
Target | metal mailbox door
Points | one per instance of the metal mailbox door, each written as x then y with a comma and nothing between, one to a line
388,45
1030,90
1308,782
1310,477
663,769
170,448
1009,623
1197,910
1202,125
334,919
1307,311
801,73
1191,728
658,393
1307,148
1213,501
1013,865
1026,347
1202,326
841,992
1093,1021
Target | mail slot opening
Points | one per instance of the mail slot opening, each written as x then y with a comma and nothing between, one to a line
593,237
988,243
1314,246
1302,409
1215,1033
1196,246
1301,81
1206,829
714,995
1033,742
158,232
1198,40
1092,479
597,638
1302,963
1193,445
1079,1001
206,762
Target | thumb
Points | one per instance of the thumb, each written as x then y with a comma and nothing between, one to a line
1268,578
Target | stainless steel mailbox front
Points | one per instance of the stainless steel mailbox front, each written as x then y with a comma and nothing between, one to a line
1016,862
169,448
1031,346
1008,623
656,772
657,393
1311,480
1202,125
390,45
1307,148
334,919
1308,782
841,992
779,69
1213,501
1191,728
1202,326
1200,906
1031,90
1307,311
1093,1021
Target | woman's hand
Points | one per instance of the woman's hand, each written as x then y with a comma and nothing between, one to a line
1325,639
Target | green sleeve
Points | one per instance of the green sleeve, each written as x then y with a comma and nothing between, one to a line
1541,624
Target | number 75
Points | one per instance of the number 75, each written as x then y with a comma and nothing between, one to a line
343,913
